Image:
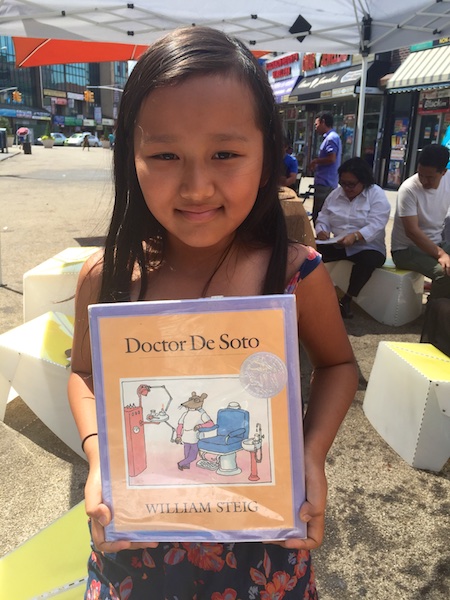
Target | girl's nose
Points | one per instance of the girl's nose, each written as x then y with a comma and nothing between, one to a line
196,183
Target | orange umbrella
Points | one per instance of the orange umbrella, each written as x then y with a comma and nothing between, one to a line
36,52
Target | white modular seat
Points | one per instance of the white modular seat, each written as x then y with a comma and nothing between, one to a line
408,402
34,362
391,296
51,285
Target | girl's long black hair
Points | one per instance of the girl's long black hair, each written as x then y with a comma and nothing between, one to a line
190,51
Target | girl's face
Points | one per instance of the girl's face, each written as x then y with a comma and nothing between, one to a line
199,158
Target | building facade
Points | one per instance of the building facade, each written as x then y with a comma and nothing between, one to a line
418,101
330,82
56,94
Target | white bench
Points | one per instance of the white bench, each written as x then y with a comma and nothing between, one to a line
391,296
33,361
408,402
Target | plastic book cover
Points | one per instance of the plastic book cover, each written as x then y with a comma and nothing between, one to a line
200,418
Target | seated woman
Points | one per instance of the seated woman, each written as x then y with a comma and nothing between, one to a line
356,213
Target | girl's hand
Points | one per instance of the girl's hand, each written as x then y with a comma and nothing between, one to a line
100,516
312,511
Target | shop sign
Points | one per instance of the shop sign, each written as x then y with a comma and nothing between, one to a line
54,93
434,102
24,114
107,121
74,96
88,122
316,63
318,81
58,120
283,67
443,41
73,121
7,112
59,101
98,115
343,91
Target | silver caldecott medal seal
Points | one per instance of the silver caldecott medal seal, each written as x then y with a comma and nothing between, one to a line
263,374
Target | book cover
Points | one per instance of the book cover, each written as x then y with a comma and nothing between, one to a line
200,418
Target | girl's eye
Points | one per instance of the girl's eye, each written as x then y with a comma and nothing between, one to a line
165,156
224,155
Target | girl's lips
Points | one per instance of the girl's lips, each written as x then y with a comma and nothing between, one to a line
199,216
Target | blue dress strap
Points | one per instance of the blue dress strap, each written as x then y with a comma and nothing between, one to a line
311,261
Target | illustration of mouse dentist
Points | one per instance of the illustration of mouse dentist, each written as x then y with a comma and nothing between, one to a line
189,423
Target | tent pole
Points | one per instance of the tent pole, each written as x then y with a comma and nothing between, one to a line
361,104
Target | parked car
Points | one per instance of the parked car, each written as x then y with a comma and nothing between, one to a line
77,139
59,139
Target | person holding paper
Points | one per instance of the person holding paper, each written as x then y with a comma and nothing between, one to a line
356,213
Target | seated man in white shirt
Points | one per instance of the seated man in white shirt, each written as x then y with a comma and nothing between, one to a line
356,213
423,201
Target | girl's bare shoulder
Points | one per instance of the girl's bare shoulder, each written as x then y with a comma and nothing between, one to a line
90,277
297,254
93,266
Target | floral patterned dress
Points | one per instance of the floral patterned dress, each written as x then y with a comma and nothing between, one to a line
206,571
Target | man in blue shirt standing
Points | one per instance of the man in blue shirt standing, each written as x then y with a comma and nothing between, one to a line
326,165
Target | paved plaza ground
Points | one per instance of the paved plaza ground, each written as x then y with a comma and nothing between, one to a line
388,526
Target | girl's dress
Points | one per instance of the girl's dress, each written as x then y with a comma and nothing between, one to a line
206,571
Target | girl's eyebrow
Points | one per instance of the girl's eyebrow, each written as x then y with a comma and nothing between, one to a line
162,138
217,137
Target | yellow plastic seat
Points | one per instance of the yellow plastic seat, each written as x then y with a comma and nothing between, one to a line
51,564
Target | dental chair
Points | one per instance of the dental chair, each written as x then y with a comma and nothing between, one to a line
232,427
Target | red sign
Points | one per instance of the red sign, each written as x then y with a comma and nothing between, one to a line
283,61
309,62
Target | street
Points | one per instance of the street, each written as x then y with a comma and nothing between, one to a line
387,526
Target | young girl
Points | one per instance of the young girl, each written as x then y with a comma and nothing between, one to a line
197,162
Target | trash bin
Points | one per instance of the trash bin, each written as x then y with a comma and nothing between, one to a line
26,147
3,140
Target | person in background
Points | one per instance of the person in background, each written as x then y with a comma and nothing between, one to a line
112,139
197,214
289,177
356,213
326,165
423,203
86,142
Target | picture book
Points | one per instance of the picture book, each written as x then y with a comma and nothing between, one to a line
200,418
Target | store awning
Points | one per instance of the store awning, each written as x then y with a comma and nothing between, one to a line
18,111
337,84
425,69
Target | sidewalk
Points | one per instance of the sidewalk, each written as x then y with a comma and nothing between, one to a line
387,525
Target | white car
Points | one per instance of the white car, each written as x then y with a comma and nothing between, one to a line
77,139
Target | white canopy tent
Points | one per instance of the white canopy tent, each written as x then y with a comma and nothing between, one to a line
344,26
335,26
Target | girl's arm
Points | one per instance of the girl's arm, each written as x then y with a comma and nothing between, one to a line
82,404
333,386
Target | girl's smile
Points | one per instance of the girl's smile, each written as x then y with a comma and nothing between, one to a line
199,158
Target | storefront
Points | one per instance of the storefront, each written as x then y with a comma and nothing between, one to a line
331,83
419,105
34,119
283,73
